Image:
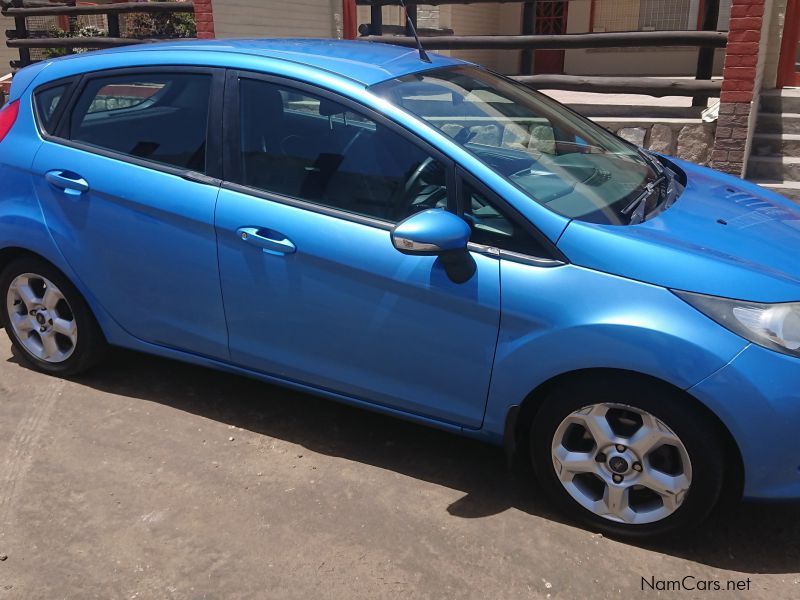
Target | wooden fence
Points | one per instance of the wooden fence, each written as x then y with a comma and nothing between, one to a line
706,40
20,37
701,88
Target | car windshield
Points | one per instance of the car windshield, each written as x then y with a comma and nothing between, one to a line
560,159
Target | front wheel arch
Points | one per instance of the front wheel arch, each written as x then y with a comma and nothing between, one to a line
520,419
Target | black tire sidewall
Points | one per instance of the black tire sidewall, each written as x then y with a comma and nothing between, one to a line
90,339
697,432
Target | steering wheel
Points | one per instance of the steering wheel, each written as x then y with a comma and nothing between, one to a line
412,189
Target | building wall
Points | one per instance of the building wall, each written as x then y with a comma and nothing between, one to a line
256,18
488,19
623,15
471,19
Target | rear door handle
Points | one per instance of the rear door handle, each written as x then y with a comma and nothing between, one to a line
268,240
70,183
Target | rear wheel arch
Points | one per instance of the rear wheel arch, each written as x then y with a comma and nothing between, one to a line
520,419
65,338
10,254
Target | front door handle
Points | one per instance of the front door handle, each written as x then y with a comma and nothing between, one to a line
71,183
272,242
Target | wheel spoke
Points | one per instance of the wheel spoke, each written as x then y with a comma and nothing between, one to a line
66,328
50,349
671,488
22,323
617,503
572,463
651,435
23,289
51,297
596,424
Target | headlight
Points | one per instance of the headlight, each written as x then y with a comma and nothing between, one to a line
774,326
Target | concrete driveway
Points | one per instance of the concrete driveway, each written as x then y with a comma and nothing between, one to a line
153,479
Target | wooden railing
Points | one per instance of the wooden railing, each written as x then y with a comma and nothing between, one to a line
20,37
701,88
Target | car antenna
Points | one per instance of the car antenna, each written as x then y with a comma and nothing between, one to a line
423,56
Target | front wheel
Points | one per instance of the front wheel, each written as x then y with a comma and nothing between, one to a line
47,320
629,457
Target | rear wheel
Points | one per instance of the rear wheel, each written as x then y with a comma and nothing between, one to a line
630,458
47,320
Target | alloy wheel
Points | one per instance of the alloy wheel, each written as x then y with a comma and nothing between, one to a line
41,318
621,463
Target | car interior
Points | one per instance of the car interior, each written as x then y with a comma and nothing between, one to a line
156,119
318,150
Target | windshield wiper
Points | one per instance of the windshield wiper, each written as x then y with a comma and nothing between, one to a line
652,161
638,208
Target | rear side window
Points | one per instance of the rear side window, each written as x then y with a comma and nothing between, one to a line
158,117
47,103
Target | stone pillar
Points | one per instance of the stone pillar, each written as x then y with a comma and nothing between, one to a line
204,18
738,86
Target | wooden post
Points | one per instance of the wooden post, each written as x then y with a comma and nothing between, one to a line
787,69
113,25
528,28
376,20
22,33
705,57
349,19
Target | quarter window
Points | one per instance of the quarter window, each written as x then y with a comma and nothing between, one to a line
492,227
47,101
309,147
163,118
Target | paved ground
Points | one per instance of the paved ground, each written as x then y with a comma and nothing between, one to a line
152,479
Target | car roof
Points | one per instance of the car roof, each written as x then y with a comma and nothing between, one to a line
365,62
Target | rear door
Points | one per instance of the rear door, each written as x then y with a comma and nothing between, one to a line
127,182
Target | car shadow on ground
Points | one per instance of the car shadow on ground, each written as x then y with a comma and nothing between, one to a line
755,538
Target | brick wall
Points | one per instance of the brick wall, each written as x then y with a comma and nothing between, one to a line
738,86
204,17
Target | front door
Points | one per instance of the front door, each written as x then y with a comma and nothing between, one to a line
789,62
123,188
314,290
551,19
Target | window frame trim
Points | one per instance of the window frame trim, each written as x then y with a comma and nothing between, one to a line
232,167
556,258
213,168
71,84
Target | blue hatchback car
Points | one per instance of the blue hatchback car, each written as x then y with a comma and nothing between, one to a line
426,239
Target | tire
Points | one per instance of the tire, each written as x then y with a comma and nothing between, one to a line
671,488
57,334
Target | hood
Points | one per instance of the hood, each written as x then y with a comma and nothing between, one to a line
722,237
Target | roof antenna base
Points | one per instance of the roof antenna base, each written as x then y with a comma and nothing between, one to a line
423,56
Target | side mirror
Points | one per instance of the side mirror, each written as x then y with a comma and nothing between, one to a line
436,232
431,232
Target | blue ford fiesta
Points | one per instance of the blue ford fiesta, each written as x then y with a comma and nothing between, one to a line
426,239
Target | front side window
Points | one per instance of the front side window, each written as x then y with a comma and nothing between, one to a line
158,117
561,160
311,148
